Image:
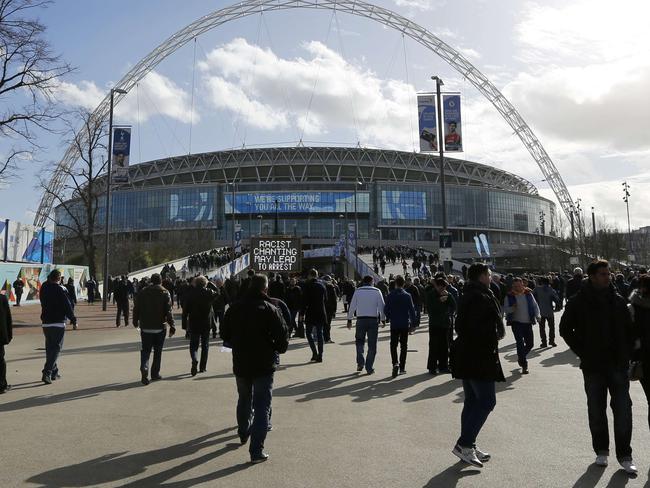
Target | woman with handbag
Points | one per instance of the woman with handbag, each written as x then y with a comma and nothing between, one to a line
640,310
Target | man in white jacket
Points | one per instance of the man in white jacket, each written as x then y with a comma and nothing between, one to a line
368,306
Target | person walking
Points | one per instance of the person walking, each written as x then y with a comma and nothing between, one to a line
368,306
475,359
441,305
56,309
597,326
257,333
640,311
314,314
294,302
72,295
196,314
91,288
18,290
400,311
548,301
152,309
522,312
121,297
6,334
331,302
218,304
574,284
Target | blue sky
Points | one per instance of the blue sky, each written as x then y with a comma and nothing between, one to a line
571,68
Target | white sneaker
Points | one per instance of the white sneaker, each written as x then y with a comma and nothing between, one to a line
629,467
468,455
482,456
601,460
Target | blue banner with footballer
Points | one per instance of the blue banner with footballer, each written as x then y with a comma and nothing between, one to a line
452,126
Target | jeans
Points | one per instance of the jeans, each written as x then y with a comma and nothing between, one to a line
254,409
400,336
18,297
310,329
551,329
327,330
122,309
596,386
645,383
293,325
204,339
3,368
480,400
524,336
438,348
369,327
152,341
53,345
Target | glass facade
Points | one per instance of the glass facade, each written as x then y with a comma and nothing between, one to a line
402,211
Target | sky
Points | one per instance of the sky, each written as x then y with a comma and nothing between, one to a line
577,71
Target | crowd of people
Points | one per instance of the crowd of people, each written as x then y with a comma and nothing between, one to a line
606,323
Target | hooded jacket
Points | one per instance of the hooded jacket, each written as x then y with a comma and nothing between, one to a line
639,308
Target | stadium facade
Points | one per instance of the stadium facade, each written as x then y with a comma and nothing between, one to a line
311,191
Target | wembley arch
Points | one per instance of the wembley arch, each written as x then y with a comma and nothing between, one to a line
353,7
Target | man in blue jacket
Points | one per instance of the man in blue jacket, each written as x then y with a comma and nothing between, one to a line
55,309
522,312
400,311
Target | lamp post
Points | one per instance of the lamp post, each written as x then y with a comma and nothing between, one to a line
107,210
232,217
593,230
275,230
441,147
356,226
259,217
626,199
250,222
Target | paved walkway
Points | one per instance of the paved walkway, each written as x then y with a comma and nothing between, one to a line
98,426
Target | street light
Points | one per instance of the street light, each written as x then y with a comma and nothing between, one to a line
259,217
108,192
443,197
232,216
626,199
356,225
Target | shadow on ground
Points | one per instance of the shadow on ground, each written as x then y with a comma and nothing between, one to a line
452,475
122,467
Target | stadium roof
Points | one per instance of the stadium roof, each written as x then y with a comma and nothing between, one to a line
319,164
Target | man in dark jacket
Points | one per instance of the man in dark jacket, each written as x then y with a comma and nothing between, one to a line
399,310
256,331
18,290
196,313
574,284
277,288
597,327
152,309
6,334
414,291
55,310
475,359
441,305
314,314
121,296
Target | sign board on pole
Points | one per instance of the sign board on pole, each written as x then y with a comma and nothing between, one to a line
631,258
427,123
121,152
574,260
452,125
238,238
445,246
277,254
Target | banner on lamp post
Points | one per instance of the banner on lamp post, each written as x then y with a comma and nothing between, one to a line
121,154
452,123
427,125
237,238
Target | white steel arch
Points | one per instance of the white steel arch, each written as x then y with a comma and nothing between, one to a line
354,7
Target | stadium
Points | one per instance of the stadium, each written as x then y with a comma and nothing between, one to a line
187,201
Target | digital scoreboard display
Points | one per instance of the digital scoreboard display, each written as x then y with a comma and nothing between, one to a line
276,254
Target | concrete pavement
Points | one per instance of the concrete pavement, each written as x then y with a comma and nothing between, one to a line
98,426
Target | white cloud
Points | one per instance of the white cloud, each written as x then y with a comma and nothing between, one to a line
272,93
158,95
423,5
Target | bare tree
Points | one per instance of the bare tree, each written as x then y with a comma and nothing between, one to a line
29,72
79,202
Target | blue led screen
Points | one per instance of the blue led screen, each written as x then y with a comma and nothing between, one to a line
403,205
